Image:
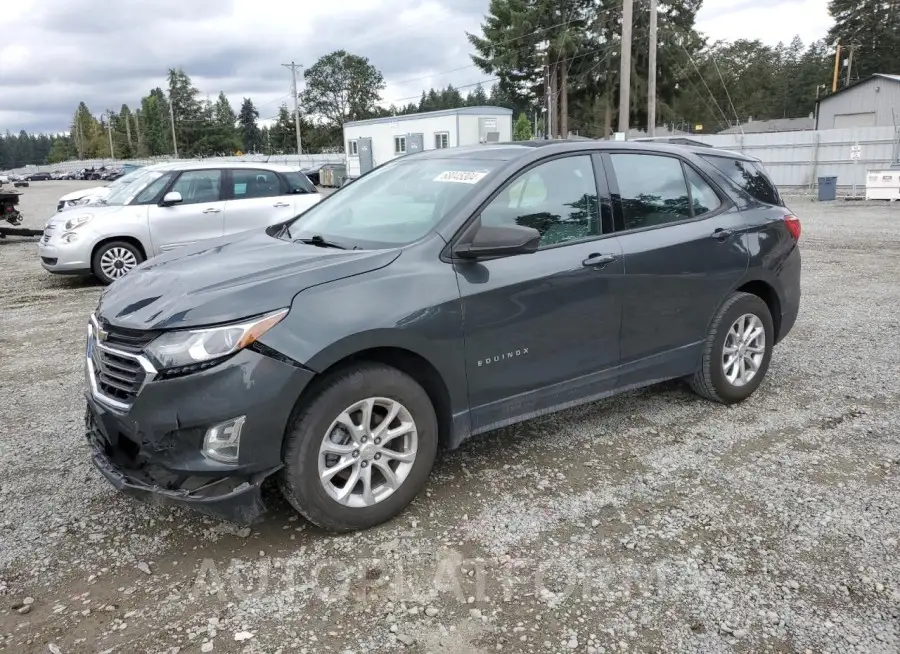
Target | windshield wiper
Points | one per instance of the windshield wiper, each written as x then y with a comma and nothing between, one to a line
320,242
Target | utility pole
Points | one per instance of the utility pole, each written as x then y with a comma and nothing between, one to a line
137,128
112,155
293,67
625,73
651,74
850,63
548,98
837,64
172,122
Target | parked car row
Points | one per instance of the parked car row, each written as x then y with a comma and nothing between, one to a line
335,345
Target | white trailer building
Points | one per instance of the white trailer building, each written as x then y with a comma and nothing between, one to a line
370,143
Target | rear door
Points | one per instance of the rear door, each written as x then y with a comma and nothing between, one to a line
199,216
256,198
685,247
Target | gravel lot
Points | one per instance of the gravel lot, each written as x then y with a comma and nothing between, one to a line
653,521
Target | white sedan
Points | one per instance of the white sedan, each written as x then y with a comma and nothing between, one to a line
166,206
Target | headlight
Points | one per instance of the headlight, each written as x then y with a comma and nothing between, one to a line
77,221
189,347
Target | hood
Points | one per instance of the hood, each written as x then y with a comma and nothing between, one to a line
96,191
225,279
99,211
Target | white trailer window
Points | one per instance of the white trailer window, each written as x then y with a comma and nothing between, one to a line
353,148
441,140
399,144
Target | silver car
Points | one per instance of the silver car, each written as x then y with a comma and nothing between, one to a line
167,206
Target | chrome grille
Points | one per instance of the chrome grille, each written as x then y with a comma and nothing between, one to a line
116,368
117,377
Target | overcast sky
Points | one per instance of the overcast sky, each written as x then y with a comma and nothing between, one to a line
55,53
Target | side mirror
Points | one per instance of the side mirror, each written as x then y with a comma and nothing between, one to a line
172,197
500,241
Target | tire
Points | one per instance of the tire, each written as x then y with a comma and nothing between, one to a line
300,481
122,251
710,381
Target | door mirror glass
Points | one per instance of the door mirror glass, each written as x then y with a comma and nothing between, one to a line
172,197
500,240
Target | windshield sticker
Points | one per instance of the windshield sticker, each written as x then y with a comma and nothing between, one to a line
460,176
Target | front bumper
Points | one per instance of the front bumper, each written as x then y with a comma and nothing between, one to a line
64,258
152,449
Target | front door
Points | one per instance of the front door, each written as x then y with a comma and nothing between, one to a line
415,143
200,214
366,162
542,329
256,198
685,249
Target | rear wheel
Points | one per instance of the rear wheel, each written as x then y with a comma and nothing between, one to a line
361,449
114,260
737,350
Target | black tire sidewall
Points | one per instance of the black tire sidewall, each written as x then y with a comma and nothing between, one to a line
95,260
746,304
300,476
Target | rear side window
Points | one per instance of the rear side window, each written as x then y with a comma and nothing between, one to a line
652,188
297,182
255,183
749,175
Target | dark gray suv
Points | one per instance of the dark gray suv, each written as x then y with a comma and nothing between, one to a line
442,295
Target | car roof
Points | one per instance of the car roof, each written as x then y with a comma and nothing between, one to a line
205,165
507,151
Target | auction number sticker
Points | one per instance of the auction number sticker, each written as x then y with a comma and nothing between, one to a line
460,176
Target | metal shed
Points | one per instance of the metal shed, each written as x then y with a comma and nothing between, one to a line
872,102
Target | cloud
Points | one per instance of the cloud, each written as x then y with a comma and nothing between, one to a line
56,54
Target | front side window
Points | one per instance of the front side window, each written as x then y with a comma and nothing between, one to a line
399,144
441,140
250,184
152,193
198,186
558,198
139,180
749,176
652,188
394,205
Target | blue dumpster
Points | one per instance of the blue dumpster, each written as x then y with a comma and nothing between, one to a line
827,188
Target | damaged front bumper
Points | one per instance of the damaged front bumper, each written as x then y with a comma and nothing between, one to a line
153,448
237,499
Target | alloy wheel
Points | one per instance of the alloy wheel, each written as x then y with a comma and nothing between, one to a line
744,350
117,262
368,452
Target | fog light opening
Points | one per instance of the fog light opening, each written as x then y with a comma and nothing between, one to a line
222,442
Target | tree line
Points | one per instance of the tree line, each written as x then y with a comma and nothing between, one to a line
571,47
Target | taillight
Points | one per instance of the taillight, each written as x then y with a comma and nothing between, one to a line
793,225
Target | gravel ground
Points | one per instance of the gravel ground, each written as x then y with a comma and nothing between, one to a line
654,521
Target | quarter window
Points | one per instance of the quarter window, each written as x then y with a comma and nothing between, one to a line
441,140
399,144
249,184
652,188
558,198
749,176
199,186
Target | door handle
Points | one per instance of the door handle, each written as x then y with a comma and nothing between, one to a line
722,234
599,260
212,210
279,205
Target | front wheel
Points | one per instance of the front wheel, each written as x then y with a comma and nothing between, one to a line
737,350
360,450
114,260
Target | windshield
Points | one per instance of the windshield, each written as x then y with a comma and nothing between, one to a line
393,205
125,193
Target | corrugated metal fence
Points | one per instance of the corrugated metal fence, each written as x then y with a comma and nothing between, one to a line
303,161
796,160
